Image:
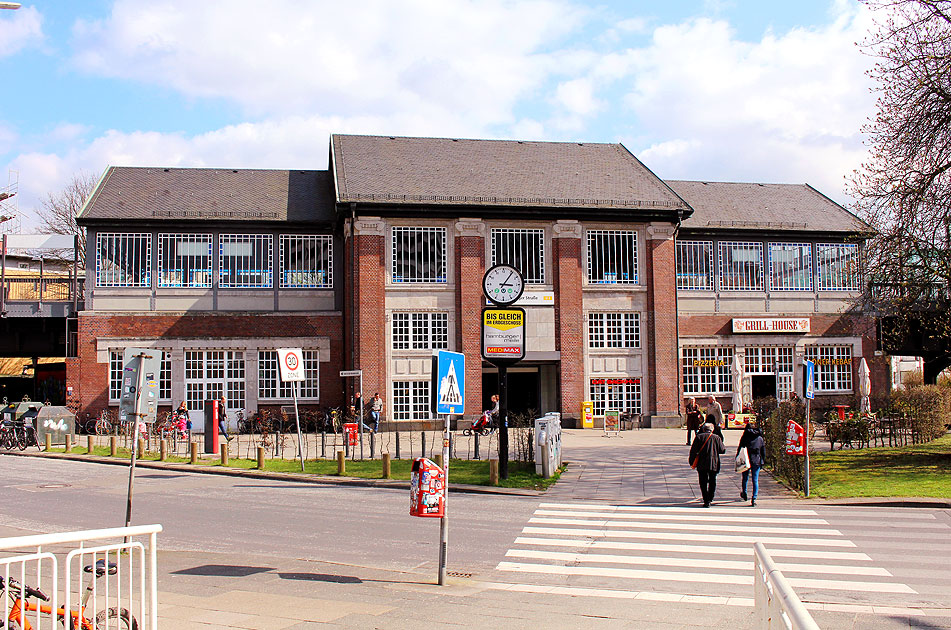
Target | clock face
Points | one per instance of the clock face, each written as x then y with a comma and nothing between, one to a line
503,284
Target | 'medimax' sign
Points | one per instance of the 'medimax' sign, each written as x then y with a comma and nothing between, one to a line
771,325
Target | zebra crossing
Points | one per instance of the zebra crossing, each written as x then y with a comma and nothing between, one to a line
691,551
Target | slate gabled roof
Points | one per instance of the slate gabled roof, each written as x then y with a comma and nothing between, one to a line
202,194
445,171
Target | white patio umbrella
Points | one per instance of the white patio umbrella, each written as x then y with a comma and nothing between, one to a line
865,387
737,371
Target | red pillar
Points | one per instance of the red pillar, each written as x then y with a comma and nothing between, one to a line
569,320
663,366
369,287
470,267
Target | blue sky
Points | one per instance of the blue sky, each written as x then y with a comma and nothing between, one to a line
742,90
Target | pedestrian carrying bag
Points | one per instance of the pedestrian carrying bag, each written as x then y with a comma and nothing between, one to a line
696,459
742,460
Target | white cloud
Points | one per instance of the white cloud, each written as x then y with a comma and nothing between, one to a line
19,29
577,97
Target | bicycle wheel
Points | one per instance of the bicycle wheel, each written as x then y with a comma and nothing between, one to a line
21,439
104,620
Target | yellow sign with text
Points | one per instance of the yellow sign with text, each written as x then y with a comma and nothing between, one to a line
502,319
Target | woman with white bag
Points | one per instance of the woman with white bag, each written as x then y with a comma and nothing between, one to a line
750,455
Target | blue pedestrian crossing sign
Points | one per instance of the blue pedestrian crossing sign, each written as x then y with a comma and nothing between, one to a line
449,383
810,385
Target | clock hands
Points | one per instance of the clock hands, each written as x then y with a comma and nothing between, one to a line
506,283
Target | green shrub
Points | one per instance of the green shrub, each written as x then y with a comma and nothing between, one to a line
924,411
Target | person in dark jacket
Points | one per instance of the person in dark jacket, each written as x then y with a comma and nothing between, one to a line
752,439
694,417
706,450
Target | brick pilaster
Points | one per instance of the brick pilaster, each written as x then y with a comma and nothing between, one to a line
369,286
663,369
470,267
569,324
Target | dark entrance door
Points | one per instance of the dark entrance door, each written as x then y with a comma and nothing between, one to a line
524,390
764,385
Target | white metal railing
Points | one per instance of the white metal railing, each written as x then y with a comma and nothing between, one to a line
110,585
777,605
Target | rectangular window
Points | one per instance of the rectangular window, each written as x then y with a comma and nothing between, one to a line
306,261
741,266
790,267
838,266
420,331
613,330
620,393
211,373
269,378
419,254
523,249
706,370
410,400
612,257
123,260
768,360
833,367
244,261
184,260
695,265
116,371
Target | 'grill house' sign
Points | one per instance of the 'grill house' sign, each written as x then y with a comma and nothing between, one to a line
771,325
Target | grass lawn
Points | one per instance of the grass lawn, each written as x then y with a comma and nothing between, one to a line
463,471
908,471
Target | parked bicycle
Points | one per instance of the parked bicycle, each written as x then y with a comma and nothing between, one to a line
17,434
106,619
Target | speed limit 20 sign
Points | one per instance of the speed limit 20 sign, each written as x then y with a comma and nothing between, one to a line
291,363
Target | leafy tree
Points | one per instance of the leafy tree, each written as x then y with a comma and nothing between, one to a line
59,210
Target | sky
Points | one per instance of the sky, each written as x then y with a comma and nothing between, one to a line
714,90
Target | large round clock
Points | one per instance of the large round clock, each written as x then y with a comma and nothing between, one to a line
503,284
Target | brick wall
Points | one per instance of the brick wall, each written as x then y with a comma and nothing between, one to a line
470,266
370,288
663,373
569,323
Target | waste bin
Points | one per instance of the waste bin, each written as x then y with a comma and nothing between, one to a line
351,430
427,489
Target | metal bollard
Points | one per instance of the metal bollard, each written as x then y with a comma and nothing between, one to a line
477,454
546,467
90,443
48,441
386,466
163,450
398,445
493,472
260,458
141,447
373,446
68,443
323,444
113,445
194,452
341,463
224,454
423,452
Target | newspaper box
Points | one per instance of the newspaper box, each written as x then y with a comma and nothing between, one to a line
427,489
350,428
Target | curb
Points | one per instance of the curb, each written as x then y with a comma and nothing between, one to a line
352,482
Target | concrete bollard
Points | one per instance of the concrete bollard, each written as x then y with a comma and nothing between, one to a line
68,443
48,441
546,467
194,452
224,454
260,458
437,457
113,445
141,448
90,444
341,463
163,450
493,472
386,466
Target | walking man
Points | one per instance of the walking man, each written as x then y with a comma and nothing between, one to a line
223,417
705,457
715,415
694,418
376,409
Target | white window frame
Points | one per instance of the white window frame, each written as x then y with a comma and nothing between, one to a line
270,385
838,278
614,330
306,261
116,371
778,279
612,256
750,277
176,270
419,330
124,259
212,373
522,248
761,359
695,268
410,400
254,273
623,393
700,379
833,367
419,255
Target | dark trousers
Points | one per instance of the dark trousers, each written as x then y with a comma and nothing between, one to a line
695,434
708,485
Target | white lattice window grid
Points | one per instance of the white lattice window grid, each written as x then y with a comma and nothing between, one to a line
184,260
790,267
612,256
617,393
123,259
270,385
695,270
707,370
833,367
306,261
245,261
418,255
420,331
209,374
523,249
614,330
768,360
838,266
741,266
410,400
116,366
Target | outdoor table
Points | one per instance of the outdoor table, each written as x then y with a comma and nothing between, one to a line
841,409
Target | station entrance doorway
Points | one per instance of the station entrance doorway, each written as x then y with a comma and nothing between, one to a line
532,388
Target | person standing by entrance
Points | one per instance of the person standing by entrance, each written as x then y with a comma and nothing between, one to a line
715,415
223,417
376,410
694,417
705,457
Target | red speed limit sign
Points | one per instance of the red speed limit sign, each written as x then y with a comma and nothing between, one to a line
291,364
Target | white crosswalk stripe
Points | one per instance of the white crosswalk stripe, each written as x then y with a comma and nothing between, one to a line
671,547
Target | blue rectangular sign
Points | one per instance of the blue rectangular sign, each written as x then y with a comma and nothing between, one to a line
810,380
449,383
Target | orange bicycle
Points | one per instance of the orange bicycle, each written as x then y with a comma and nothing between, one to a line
107,619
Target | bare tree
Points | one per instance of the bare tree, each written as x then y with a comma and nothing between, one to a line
59,210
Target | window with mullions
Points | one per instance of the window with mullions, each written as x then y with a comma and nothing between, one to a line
184,260
790,267
116,371
123,260
838,266
612,257
419,255
614,330
209,374
706,370
306,261
620,393
523,249
768,360
695,265
833,367
245,261
741,266
420,331
410,400
269,377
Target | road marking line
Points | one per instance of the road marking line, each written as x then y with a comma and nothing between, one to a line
605,507
706,549
682,526
766,540
709,578
697,517
699,563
